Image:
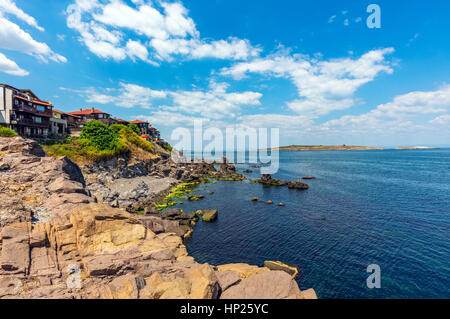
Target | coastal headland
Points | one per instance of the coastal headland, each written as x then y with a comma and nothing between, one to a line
105,229
324,148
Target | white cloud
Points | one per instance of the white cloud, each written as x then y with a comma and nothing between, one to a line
323,86
10,67
331,19
165,30
8,6
12,37
169,119
213,103
128,95
216,103
346,22
403,112
441,120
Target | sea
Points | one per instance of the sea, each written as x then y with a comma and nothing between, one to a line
389,208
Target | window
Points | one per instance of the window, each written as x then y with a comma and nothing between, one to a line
16,102
41,108
37,119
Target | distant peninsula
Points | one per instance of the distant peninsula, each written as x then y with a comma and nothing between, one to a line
416,148
324,148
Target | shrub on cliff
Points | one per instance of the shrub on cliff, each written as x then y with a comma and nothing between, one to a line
130,136
6,132
135,128
98,135
116,127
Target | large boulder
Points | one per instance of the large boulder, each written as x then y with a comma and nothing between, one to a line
265,285
243,270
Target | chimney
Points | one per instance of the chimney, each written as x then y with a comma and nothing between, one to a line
81,109
93,110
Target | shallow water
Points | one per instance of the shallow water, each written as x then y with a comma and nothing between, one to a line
390,208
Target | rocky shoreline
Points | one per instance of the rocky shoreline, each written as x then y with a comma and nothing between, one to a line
67,232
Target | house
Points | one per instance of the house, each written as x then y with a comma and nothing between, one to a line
143,126
76,120
120,121
58,123
22,111
146,129
93,114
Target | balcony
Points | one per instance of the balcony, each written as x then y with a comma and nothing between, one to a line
32,110
29,122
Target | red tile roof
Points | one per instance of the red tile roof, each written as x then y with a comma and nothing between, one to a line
33,101
87,112
138,122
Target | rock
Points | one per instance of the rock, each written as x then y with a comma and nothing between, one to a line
248,171
323,218
104,265
278,265
61,185
281,204
309,294
124,287
15,256
255,199
195,197
227,279
297,185
209,215
266,285
308,177
204,282
269,202
243,270
267,180
171,214
150,210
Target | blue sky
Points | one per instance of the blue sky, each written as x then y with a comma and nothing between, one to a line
312,68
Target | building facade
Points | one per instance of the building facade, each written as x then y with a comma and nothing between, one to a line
23,112
76,120
146,129
58,124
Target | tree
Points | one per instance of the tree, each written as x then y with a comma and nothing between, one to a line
99,135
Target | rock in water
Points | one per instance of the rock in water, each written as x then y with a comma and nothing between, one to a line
209,215
278,265
297,185
255,199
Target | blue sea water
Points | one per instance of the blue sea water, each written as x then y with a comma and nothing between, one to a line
387,207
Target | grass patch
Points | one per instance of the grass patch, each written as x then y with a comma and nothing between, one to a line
6,132
99,142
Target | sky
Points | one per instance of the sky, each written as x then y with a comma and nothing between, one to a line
313,69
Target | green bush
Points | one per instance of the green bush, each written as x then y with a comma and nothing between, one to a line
135,128
6,132
116,127
98,135
168,147
130,136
